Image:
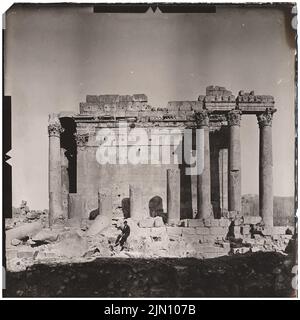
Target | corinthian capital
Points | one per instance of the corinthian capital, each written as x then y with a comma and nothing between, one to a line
202,118
54,126
81,139
265,119
234,117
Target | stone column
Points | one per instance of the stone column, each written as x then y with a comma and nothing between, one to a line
204,183
55,205
173,195
105,203
137,211
234,161
75,206
223,179
64,182
265,167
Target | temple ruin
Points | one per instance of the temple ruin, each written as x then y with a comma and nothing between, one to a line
79,185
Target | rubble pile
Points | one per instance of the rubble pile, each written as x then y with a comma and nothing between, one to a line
30,241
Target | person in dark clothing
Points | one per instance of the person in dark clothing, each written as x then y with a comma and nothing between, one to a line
121,239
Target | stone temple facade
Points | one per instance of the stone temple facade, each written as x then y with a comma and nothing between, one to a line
79,185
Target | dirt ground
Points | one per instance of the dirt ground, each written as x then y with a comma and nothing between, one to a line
261,274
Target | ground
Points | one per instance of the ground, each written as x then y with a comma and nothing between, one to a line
261,274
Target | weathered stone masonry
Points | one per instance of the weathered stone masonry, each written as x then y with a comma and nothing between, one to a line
78,185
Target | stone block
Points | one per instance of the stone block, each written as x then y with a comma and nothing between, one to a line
175,238
226,246
218,230
210,255
137,211
99,224
105,202
26,252
241,250
208,239
223,222
45,235
209,249
146,223
279,230
75,206
140,97
195,223
245,230
74,222
174,231
33,214
252,219
232,214
15,242
189,231
184,223
158,222
158,232
11,253
286,236
215,223
71,244
26,230
202,230
191,238
92,99
267,231
207,222
173,194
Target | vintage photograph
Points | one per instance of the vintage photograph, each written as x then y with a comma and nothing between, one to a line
150,150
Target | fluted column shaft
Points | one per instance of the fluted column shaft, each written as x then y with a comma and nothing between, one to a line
55,188
203,181
265,167
234,161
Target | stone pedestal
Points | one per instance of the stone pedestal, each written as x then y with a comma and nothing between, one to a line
204,183
137,211
75,206
234,158
105,203
265,167
173,195
55,204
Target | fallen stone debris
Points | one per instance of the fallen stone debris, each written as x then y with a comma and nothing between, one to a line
30,240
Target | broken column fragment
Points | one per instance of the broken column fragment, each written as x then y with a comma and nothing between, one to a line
173,195
76,206
105,202
137,211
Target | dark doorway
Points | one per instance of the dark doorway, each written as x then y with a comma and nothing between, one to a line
126,207
155,206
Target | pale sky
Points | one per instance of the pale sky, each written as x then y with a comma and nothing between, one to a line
55,57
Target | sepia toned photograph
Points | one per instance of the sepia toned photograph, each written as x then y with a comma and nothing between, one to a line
150,150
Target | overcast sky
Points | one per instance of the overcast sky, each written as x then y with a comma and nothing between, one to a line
54,57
